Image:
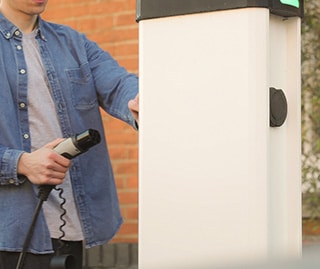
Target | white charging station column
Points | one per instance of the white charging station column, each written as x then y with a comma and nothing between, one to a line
218,185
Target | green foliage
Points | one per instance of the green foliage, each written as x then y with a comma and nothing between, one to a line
311,108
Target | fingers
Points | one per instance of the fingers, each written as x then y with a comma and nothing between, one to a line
134,104
60,160
44,166
134,107
57,163
54,143
54,169
51,176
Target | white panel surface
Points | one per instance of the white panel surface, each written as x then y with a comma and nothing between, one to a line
285,142
204,139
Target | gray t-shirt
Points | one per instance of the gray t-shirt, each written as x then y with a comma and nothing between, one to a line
44,128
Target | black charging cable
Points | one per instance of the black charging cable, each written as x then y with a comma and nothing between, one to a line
69,148
43,195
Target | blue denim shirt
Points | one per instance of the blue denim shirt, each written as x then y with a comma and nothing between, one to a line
82,79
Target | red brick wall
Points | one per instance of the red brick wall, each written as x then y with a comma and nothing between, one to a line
111,23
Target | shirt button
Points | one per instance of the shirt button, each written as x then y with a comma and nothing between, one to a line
8,35
22,71
22,105
25,136
19,47
11,181
17,33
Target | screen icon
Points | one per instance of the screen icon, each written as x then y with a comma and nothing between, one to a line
294,3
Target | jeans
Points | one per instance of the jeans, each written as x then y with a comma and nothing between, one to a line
61,258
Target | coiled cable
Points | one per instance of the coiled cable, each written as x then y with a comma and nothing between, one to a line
63,221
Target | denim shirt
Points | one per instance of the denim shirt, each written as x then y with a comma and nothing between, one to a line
83,78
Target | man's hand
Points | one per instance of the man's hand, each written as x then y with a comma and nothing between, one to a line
44,166
134,108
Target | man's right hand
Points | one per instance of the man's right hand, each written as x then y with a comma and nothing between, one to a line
44,166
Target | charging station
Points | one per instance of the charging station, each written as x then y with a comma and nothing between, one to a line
219,155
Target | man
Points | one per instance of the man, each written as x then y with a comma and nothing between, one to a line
53,82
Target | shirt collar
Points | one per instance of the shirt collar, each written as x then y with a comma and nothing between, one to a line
9,30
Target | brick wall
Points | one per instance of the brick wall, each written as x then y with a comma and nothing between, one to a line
111,23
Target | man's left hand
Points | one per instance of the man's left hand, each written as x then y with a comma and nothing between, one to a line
134,107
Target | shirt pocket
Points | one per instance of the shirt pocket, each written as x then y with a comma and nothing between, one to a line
83,92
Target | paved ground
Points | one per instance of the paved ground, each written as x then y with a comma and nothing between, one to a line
311,246
125,256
